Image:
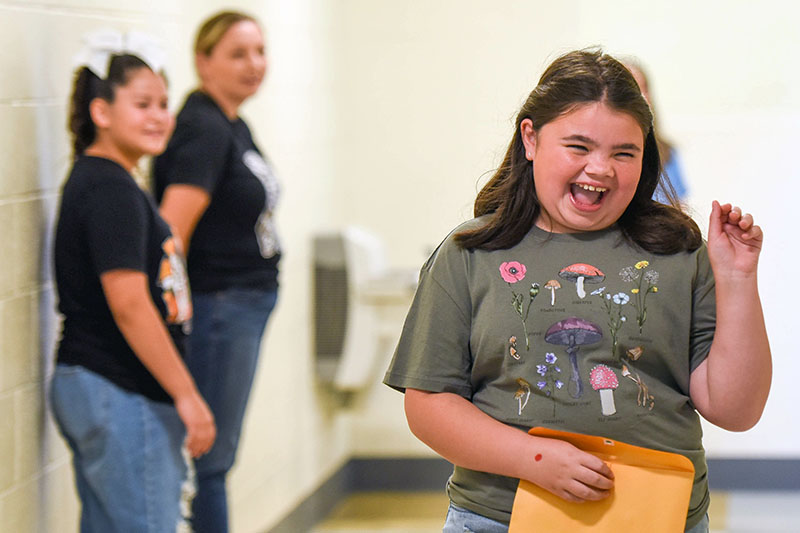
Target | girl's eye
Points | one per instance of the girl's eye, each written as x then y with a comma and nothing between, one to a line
625,155
578,147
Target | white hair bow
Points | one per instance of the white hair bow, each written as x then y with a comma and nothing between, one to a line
101,44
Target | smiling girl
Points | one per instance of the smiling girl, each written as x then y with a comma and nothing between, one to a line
651,302
121,394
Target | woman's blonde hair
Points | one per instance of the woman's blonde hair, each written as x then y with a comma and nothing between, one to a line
212,30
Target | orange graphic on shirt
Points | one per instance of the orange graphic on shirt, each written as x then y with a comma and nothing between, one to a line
174,283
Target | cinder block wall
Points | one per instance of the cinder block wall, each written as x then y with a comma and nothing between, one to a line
36,487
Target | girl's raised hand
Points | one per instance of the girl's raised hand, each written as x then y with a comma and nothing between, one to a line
570,473
734,242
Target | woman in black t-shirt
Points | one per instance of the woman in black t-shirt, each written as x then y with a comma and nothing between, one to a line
121,394
218,192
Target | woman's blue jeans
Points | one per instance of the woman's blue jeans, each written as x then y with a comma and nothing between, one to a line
126,452
222,357
465,521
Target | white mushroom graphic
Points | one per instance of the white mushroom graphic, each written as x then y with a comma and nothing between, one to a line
604,380
553,285
524,390
581,273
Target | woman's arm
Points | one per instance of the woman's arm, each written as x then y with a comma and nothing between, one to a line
466,436
731,386
182,206
128,297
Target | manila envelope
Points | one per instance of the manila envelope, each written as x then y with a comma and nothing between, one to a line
651,492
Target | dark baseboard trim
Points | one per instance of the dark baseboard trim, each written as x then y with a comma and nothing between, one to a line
430,474
754,474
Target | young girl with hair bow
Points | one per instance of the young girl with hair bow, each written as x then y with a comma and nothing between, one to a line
121,394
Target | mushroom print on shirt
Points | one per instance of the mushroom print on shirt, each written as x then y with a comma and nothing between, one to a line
574,332
266,234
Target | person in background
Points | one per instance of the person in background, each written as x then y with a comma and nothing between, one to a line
121,394
650,326
219,192
674,188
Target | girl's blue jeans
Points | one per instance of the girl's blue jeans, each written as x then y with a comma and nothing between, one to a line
126,452
463,521
222,357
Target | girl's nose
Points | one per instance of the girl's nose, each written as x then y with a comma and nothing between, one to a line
598,165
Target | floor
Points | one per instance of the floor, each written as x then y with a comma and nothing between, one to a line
404,512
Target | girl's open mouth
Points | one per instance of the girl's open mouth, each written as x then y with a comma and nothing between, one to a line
586,195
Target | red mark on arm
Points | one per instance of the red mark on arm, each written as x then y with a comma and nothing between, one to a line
538,457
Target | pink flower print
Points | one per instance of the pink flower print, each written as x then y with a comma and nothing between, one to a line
512,271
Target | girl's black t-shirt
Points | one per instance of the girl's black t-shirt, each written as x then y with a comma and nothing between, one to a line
235,243
107,222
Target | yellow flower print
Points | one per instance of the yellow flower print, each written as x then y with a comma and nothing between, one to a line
637,277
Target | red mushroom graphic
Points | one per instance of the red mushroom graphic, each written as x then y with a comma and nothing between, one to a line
581,273
573,332
604,380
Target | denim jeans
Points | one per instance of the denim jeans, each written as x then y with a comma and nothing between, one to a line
464,521
126,452
461,520
222,357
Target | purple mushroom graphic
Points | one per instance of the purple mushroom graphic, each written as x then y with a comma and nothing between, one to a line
573,333
604,380
581,273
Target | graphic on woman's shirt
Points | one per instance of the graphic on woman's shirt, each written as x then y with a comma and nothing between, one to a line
644,398
635,275
613,306
548,381
523,391
580,274
174,284
604,380
573,333
513,272
266,234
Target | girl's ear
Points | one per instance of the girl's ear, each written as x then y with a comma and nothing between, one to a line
100,112
528,138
